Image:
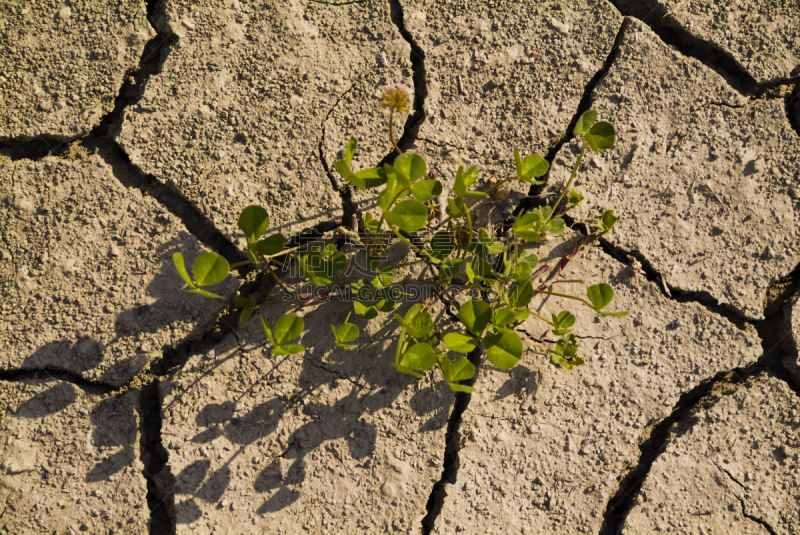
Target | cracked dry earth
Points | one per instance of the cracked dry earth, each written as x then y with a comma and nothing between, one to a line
130,130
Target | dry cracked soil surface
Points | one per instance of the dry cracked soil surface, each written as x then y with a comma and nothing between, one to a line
131,130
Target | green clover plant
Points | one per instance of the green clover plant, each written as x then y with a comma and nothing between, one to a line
458,253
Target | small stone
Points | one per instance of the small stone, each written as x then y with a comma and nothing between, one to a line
46,105
3,80
561,27
64,13
188,24
769,253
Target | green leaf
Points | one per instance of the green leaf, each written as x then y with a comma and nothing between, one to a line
406,370
532,166
426,190
614,314
460,343
475,315
411,166
346,332
205,293
419,357
532,260
350,149
601,136
504,316
461,388
464,179
575,198
384,277
555,226
564,363
504,350
450,268
562,323
243,302
289,349
608,220
267,331
177,259
460,370
409,215
521,313
368,312
457,207
529,226
417,322
253,221
522,272
287,328
585,121
245,315
210,268
272,245
520,293
441,245
372,177
600,295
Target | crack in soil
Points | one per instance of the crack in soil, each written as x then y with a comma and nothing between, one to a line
755,519
419,77
451,462
691,46
655,435
583,105
345,192
154,457
59,375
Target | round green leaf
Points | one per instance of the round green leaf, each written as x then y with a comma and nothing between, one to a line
600,295
475,315
287,328
253,221
601,136
409,215
419,357
210,268
504,316
426,190
460,343
520,293
411,166
346,332
534,166
272,245
461,370
504,350
585,121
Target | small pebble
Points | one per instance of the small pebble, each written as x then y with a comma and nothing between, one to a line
3,80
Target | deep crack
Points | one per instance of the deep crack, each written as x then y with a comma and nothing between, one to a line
154,457
452,447
655,16
417,117
654,437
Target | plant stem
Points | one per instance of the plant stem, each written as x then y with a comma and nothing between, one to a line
571,178
391,132
542,318
584,301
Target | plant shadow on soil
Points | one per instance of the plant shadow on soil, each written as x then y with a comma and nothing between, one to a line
141,320
374,385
